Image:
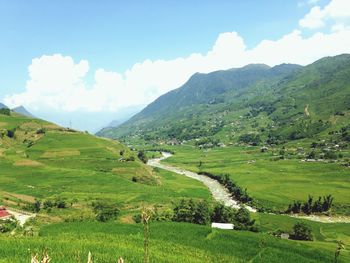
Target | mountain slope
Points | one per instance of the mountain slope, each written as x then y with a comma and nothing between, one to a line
282,103
3,106
201,90
40,160
23,111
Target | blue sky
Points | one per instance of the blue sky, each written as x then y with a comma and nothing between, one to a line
116,35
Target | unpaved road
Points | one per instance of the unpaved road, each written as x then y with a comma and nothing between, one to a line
221,194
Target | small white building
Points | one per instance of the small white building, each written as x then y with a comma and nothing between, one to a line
222,226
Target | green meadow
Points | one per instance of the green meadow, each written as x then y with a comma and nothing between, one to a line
272,182
170,242
80,168
41,161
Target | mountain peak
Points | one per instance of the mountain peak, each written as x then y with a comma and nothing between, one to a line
3,106
23,111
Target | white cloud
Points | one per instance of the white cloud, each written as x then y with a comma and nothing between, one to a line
336,11
310,2
58,82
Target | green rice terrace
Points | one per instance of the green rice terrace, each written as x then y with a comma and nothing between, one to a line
87,194
243,165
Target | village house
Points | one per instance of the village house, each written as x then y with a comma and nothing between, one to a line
4,214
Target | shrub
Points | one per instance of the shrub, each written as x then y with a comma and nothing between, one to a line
61,204
47,204
4,111
253,139
302,231
11,133
142,156
105,211
40,131
192,212
7,225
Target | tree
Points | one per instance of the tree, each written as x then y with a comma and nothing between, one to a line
142,156
105,211
201,214
192,212
327,202
36,206
242,218
307,207
222,214
5,111
302,231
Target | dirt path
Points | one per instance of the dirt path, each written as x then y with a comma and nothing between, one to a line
221,194
22,217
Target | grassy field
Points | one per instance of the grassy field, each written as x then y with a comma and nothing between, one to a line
273,183
170,242
80,168
46,162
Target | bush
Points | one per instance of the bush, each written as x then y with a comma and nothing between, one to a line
192,212
105,211
142,156
243,220
40,131
310,206
302,231
7,225
4,111
130,159
61,204
250,138
199,212
47,204
11,133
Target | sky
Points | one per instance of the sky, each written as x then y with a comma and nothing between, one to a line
86,62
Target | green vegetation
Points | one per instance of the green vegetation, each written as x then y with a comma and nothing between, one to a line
45,168
311,206
272,183
169,242
302,231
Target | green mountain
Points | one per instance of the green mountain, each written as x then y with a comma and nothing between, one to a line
277,104
40,160
23,111
3,106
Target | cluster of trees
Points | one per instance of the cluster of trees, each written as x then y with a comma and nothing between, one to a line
5,111
237,192
202,213
207,141
310,206
142,156
250,138
47,205
301,231
105,211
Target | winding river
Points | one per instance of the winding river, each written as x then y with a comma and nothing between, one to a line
218,192
221,194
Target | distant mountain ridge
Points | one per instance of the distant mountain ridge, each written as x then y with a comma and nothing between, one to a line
23,111
255,99
3,106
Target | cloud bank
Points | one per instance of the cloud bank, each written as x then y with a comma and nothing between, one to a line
58,82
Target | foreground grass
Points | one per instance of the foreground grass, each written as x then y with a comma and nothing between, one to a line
275,184
170,242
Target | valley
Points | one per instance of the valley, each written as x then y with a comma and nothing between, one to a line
247,146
